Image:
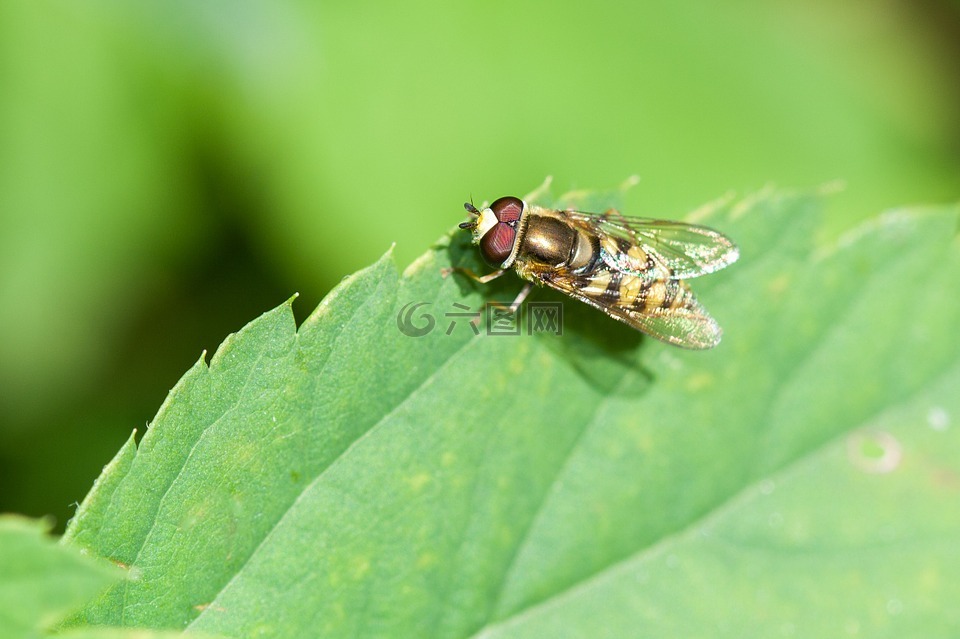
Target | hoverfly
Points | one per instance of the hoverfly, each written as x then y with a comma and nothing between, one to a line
633,269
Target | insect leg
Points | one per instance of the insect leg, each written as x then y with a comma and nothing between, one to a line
480,279
515,304
522,295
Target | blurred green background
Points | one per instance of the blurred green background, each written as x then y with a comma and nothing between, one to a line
170,170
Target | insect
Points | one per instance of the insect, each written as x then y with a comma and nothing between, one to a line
633,269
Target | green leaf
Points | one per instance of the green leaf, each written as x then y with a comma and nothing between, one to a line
100,632
344,479
40,581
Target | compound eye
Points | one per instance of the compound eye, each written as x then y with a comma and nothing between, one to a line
507,209
497,244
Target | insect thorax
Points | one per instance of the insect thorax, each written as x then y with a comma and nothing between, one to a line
550,241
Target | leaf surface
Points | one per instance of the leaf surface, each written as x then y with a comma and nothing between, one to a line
345,479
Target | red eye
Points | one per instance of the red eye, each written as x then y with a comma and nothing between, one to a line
507,209
497,244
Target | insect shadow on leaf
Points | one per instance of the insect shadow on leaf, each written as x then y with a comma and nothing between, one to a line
605,354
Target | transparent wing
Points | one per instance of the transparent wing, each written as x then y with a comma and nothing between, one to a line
659,249
667,310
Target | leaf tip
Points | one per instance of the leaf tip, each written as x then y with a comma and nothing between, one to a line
711,208
832,187
629,183
387,257
422,262
288,303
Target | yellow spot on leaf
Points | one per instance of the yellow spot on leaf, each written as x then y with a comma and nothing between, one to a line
361,566
426,560
779,285
699,381
418,481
